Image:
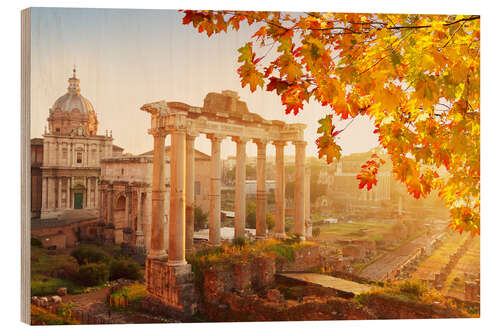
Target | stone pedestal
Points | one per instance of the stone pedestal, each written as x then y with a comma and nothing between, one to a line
171,289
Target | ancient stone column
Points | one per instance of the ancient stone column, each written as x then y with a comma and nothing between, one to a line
299,194
307,194
110,205
240,193
279,193
68,190
261,227
127,208
177,223
190,167
44,193
96,192
215,176
59,193
139,232
51,193
157,249
87,195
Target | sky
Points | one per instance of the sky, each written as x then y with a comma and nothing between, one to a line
126,58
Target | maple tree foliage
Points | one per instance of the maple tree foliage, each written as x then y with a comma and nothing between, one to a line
416,76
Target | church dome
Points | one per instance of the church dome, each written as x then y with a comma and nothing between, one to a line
72,113
69,102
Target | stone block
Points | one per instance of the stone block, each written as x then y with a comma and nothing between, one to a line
56,299
62,291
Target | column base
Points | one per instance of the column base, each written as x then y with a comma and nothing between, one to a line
170,289
176,262
157,254
281,235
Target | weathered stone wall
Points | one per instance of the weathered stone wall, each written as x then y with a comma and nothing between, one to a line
304,259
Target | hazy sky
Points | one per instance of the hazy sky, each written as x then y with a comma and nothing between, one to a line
127,58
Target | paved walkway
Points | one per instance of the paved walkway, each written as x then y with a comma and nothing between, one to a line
329,282
392,260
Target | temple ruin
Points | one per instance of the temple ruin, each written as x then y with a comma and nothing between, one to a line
222,116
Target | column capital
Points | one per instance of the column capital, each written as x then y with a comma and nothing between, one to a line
158,132
240,139
260,142
280,143
215,137
300,143
191,135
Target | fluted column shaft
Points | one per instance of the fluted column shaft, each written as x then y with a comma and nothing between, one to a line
177,223
261,227
157,249
190,173
299,195
215,205
240,194
279,193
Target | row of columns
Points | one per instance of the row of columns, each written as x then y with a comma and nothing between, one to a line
182,161
52,188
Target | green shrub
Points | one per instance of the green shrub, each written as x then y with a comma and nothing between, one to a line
200,219
251,217
415,288
295,239
87,255
239,241
36,242
93,274
316,232
270,222
126,269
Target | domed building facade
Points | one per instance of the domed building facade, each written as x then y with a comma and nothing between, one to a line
72,151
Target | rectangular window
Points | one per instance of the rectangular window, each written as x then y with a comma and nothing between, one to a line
197,188
65,153
79,157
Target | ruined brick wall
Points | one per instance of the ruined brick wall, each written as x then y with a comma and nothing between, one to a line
304,259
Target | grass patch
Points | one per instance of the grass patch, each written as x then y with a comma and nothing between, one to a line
40,316
44,285
128,298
